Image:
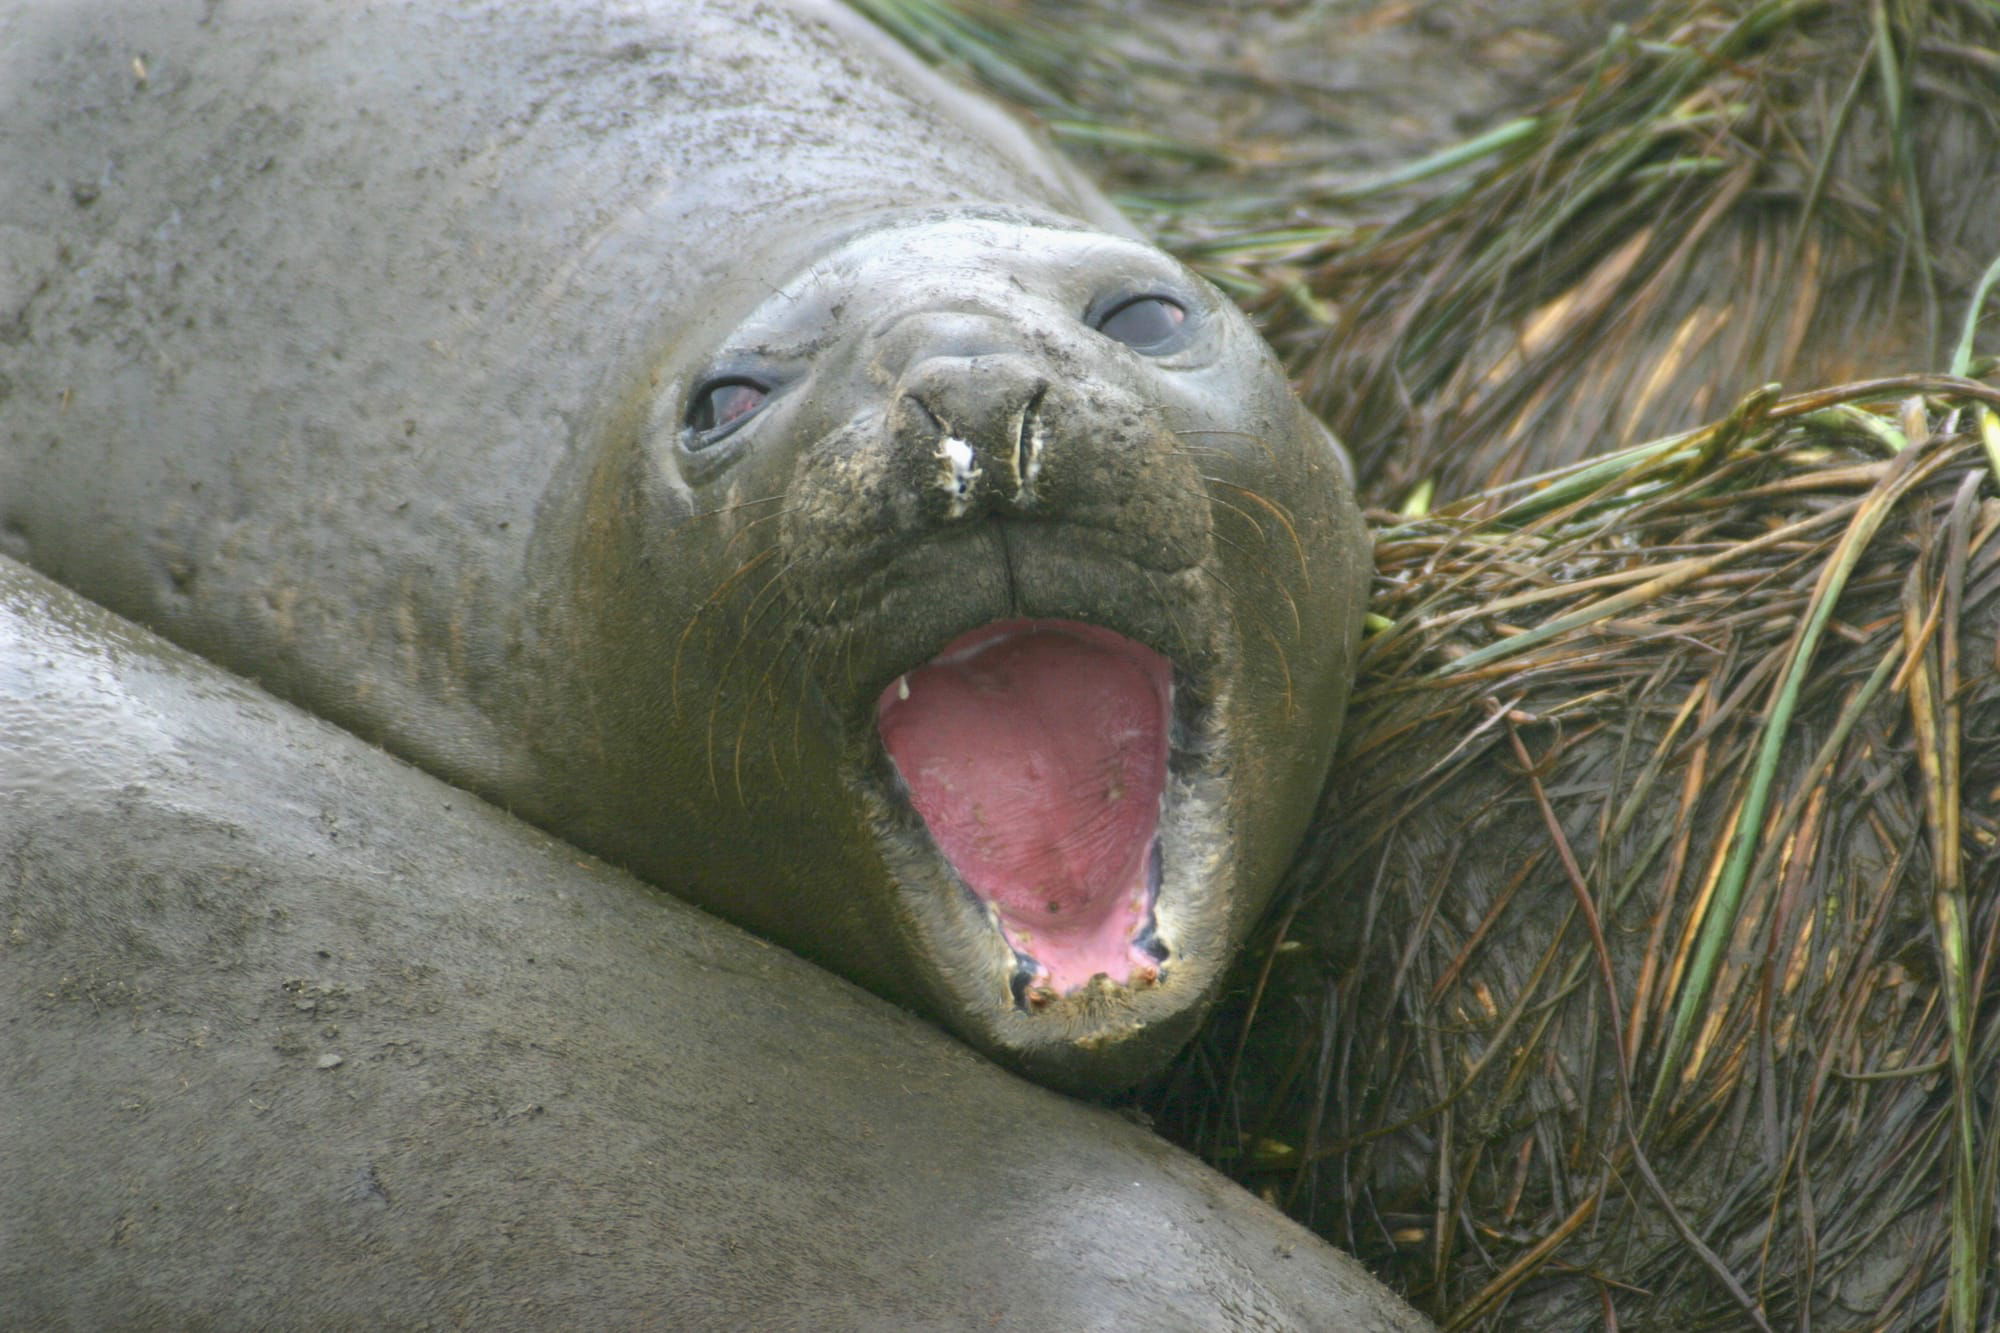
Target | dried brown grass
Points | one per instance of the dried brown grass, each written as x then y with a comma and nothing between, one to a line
1645,972
1648,972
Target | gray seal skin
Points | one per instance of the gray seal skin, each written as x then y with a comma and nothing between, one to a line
294,1035
625,411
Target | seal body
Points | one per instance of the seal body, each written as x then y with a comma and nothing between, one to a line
703,431
332,1043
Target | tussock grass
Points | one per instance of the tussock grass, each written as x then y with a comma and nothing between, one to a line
1645,969
1645,972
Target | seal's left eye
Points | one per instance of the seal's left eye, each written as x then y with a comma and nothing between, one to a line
1145,323
719,405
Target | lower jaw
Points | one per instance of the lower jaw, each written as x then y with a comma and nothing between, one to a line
1048,971
1097,1039
1102,1037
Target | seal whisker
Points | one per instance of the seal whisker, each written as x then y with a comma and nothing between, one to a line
1276,511
1271,580
1251,436
1249,521
755,611
752,526
731,508
814,651
714,598
1233,602
758,606
1242,513
787,655
1283,514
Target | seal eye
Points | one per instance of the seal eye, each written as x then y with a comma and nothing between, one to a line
719,405
1145,323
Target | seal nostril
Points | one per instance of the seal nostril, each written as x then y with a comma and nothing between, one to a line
969,432
1028,444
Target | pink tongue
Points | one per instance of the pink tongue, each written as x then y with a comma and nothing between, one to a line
1036,752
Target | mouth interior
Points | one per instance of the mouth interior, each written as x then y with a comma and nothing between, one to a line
1036,753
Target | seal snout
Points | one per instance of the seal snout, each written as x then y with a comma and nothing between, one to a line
968,432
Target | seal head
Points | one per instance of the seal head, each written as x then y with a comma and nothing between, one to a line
1012,612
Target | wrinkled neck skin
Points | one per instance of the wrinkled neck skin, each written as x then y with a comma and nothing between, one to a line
990,661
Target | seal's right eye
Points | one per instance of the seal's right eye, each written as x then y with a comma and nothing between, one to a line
719,406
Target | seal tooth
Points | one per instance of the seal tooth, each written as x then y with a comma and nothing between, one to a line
1026,982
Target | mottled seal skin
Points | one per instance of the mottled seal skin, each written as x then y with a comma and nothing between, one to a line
373,353
295,1035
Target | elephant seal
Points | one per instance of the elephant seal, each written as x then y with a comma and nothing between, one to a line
329,1043
702,430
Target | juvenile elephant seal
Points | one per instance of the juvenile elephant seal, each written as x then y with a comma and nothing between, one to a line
295,1036
703,431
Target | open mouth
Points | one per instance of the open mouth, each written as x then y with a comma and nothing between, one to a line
1036,752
